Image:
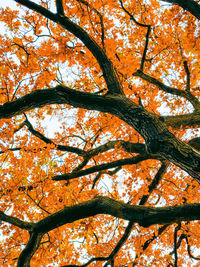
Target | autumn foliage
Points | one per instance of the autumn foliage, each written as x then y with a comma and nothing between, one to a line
98,101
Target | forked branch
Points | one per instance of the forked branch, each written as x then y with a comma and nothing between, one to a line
49,141
101,167
143,215
147,34
109,73
143,201
171,90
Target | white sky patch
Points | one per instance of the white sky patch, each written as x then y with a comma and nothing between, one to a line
8,3
52,124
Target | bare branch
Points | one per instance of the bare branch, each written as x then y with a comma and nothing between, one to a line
105,172
15,221
143,215
81,165
11,149
189,250
187,75
175,245
154,182
132,17
49,141
145,48
174,91
29,250
105,64
143,201
149,241
122,240
59,7
147,34
105,166
181,238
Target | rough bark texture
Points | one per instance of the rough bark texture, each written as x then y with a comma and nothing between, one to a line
143,215
158,138
159,144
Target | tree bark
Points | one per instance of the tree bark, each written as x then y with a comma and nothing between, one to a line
159,140
189,5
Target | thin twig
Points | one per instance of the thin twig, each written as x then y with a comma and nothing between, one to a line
147,34
100,17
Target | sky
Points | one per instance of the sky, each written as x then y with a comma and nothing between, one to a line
7,3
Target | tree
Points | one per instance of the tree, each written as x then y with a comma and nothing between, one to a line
115,182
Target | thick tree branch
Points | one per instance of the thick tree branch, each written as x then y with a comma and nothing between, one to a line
186,94
186,120
131,223
127,146
190,5
158,137
56,95
143,215
105,64
15,221
134,147
29,250
159,140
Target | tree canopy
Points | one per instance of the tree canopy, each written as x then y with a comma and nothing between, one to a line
99,148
